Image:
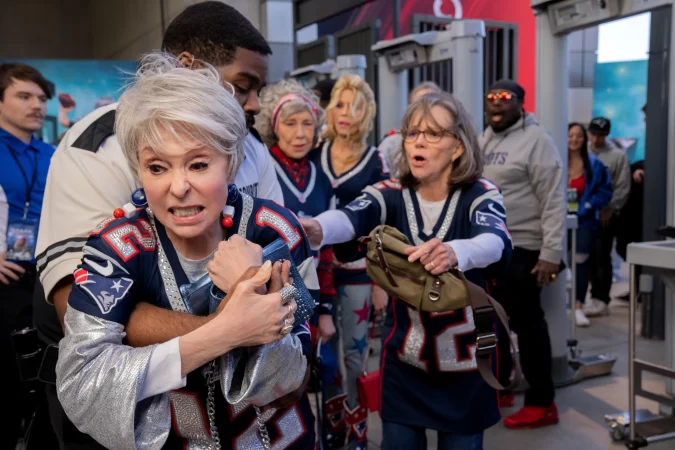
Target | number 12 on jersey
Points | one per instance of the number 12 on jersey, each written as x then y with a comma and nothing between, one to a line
446,343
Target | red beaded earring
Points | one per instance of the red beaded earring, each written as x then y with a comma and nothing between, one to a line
228,213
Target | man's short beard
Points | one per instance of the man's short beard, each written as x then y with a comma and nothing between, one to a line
250,121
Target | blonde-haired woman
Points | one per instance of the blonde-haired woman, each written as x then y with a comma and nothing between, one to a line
454,218
351,164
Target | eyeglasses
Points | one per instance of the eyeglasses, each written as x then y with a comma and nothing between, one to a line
431,136
503,96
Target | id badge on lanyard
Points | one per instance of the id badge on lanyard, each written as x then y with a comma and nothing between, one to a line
22,234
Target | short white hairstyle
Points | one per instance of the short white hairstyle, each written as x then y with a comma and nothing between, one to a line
191,105
269,100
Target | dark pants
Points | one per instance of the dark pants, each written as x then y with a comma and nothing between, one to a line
16,301
601,262
403,437
519,295
585,242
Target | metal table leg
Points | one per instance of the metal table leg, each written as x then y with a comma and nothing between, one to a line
631,352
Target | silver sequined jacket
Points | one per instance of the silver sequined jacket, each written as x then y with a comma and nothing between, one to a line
100,380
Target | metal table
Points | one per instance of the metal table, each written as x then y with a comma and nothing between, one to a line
657,257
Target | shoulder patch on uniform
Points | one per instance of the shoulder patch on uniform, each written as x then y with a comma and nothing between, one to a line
388,184
94,135
488,185
255,134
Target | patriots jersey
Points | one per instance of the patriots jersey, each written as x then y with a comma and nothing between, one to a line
132,259
429,376
371,169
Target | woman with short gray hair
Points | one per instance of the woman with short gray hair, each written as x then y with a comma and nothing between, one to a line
455,219
173,246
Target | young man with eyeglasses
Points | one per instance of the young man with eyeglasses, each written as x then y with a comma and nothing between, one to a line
523,161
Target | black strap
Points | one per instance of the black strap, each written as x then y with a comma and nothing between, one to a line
29,184
484,310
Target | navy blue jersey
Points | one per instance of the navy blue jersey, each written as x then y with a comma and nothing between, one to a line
429,374
370,169
125,262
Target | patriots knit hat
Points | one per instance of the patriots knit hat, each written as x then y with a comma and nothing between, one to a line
324,87
511,86
600,125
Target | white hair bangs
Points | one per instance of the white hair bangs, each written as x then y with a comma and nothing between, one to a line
189,105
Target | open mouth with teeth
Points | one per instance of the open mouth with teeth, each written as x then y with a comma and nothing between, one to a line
187,211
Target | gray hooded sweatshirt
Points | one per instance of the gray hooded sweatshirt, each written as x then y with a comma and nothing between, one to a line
525,164
619,172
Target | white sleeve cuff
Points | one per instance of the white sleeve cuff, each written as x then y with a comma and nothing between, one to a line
336,227
164,371
479,252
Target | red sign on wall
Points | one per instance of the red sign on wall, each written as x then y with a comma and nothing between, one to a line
513,11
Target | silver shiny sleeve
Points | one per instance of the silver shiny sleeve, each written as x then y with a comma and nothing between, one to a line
98,381
259,375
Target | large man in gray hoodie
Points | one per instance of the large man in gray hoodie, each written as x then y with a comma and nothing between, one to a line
601,259
522,160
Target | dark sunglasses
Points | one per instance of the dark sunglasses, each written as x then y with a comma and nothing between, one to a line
502,96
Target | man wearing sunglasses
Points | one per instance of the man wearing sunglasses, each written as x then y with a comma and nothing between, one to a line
521,158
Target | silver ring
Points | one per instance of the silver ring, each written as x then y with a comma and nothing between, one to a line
287,294
285,330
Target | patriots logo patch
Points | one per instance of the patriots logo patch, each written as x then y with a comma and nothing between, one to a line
360,203
106,292
491,220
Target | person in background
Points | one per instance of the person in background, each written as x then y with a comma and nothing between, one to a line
391,145
601,255
590,179
522,159
630,219
323,90
24,163
289,124
454,218
90,177
351,164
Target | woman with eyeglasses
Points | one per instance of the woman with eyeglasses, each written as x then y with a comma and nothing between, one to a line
589,180
454,218
350,164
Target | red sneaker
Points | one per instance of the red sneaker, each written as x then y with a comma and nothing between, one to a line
532,417
507,400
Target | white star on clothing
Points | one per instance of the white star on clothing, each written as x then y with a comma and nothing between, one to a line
117,285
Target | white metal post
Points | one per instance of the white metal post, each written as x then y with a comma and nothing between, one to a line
467,76
393,97
552,84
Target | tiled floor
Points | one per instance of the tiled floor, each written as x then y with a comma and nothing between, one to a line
582,406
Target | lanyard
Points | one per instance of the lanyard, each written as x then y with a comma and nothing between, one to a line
29,184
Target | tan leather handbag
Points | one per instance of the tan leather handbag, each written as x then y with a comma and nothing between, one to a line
389,268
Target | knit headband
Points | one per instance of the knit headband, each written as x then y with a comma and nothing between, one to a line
290,98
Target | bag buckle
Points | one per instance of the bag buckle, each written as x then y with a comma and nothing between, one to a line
486,343
435,291
486,338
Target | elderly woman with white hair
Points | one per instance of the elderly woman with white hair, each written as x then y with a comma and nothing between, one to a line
454,218
228,383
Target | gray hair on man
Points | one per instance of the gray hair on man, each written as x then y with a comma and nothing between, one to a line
303,100
190,105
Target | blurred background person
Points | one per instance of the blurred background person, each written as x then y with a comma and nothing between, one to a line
589,178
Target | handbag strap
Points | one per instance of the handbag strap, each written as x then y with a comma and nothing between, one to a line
371,336
484,309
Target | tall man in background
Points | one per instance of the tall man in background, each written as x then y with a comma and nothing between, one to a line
601,254
522,160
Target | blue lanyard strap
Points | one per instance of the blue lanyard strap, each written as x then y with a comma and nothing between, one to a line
29,184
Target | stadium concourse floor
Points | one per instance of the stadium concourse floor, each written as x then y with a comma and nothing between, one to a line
582,406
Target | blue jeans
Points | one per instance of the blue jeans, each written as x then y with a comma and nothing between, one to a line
585,242
404,437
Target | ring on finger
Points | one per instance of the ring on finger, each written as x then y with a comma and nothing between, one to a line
286,329
433,265
287,294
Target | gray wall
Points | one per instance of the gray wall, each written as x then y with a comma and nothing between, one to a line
124,29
